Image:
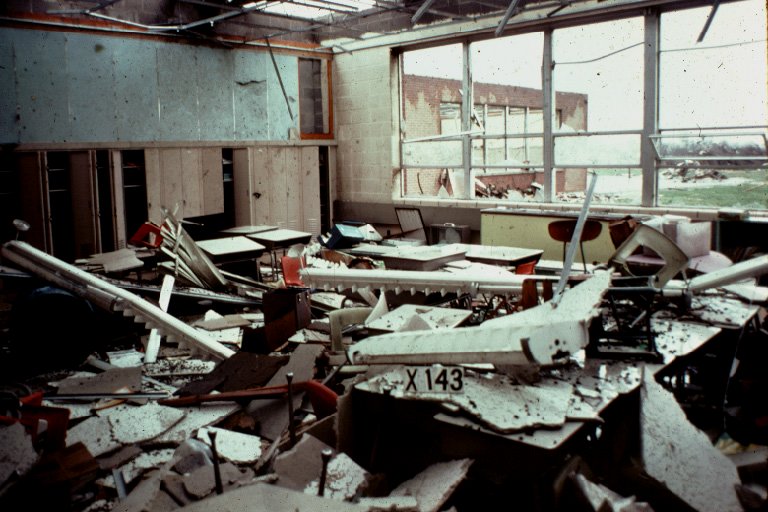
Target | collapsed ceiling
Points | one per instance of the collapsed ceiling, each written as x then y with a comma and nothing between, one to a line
328,23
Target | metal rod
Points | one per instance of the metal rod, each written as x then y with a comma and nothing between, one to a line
291,423
422,9
216,468
508,14
710,18
280,79
575,241
326,455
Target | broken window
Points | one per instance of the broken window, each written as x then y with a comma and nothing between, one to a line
600,130
713,103
314,99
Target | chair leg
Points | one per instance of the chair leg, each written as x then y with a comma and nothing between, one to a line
583,259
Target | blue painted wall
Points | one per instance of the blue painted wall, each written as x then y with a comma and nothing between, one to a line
69,87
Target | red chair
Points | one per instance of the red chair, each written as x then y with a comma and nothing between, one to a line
290,266
562,231
148,235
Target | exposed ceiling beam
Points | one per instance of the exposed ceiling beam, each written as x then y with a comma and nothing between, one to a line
422,9
507,14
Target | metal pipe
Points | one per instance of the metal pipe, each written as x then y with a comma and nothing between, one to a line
280,79
216,468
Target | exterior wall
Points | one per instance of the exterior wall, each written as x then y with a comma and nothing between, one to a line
365,113
422,96
66,87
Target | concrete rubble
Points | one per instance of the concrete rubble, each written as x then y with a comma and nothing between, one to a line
446,393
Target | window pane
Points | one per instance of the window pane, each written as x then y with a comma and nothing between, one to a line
591,150
715,188
440,153
604,63
431,81
614,186
311,107
720,81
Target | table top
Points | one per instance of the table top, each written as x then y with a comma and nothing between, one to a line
498,254
281,237
247,230
231,246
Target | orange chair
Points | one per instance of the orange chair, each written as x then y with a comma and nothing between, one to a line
290,266
562,231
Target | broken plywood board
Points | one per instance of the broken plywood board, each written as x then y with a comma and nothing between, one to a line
493,400
299,469
244,370
233,446
273,413
132,424
434,318
433,486
215,322
116,261
111,381
681,457
543,334
178,367
272,498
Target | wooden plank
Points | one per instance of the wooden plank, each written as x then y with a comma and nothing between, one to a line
294,209
310,190
241,158
213,181
192,182
278,192
172,177
117,183
154,184
32,197
83,214
262,162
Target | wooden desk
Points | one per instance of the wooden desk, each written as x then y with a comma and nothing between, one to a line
277,239
247,230
235,249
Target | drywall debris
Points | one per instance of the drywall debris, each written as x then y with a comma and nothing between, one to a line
139,465
201,482
433,317
190,455
125,358
96,434
244,370
233,446
681,457
194,419
493,400
390,504
433,486
344,480
299,468
272,498
132,424
603,499
17,455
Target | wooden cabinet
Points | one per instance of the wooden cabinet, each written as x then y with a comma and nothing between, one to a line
190,179
279,186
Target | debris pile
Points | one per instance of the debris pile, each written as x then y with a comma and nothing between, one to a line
375,389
